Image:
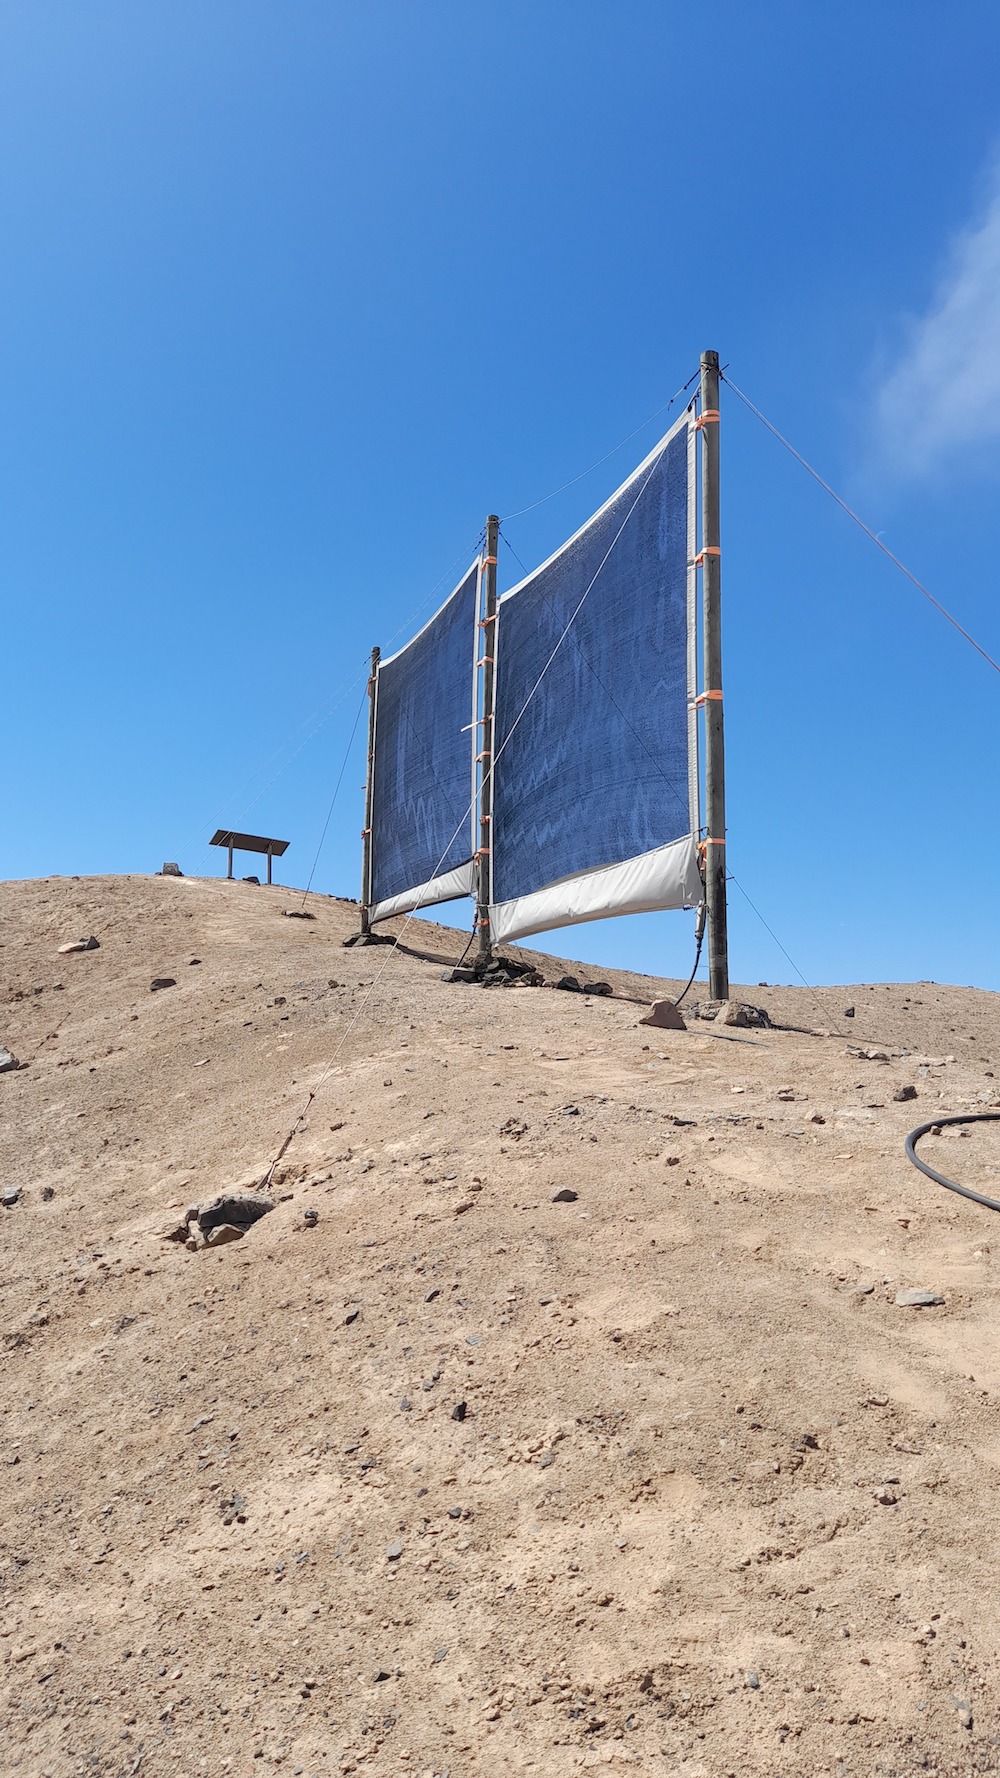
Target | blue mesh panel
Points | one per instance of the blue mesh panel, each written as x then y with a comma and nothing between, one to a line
423,752
596,770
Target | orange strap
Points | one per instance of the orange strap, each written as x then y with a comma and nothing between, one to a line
487,620
709,418
487,661
709,550
711,843
489,561
708,697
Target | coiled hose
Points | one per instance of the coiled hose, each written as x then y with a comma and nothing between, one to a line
964,1191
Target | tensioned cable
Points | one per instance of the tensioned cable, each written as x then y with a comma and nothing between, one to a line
886,551
331,705
333,799
465,817
731,879
613,451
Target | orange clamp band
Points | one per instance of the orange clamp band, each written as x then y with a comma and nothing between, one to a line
713,843
708,697
709,550
487,620
709,417
487,661
489,561
365,831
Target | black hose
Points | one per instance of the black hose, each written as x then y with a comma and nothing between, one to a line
964,1191
700,935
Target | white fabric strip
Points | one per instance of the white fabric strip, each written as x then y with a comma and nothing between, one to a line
667,877
448,887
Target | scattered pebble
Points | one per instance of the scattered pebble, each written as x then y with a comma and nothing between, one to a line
565,1195
918,1299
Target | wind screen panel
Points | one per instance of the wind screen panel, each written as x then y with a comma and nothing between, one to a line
592,732
422,844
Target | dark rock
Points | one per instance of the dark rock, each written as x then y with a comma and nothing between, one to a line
569,983
9,1197
310,1218
454,1512
297,914
459,1411
565,1195
380,1674
252,880
351,1316
171,870
848,1012
48,1193
9,1063
902,1095
600,988
79,944
458,975
161,981
238,1209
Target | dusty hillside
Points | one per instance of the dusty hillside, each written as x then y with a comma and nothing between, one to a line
717,1504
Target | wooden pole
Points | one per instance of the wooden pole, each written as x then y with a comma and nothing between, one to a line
486,746
366,839
715,772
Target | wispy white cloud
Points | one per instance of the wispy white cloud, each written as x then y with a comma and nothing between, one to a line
944,390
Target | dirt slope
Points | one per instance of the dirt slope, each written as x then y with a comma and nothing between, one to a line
715,1505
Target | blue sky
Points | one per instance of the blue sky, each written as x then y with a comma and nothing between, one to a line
294,294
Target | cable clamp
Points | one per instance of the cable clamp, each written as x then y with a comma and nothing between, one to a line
487,661
481,924
482,852
489,561
711,843
709,418
487,620
365,832
709,550
707,697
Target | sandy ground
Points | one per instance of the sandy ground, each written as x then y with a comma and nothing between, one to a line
717,1504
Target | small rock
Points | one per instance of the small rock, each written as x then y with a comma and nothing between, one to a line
171,870
903,1094
161,981
459,1411
964,1714
885,1497
310,1218
79,944
9,1063
732,1013
242,1209
918,1299
569,983
817,1118
9,1197
865,1289
223,1233
664,1015
602,989
393,1553
48,1193
848,1012
380,1674
753,1681
351,1316
439,1655
565,1195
